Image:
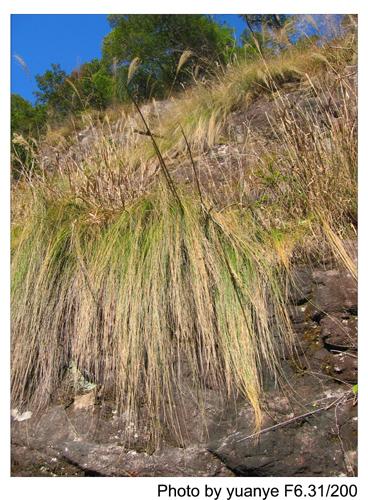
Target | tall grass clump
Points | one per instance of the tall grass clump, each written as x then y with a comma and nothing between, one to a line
162,297
204,109
308,173
161,292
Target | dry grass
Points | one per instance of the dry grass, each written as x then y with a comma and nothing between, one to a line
308,173
150,287
202,110
138,303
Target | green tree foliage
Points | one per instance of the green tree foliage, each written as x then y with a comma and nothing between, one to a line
255,22
158,41
54,91
253,43
94,84
90,86
26,119
27,122
263,31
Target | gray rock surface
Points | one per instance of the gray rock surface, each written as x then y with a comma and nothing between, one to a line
310,420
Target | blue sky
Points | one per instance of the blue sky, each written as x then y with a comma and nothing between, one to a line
67,39
41,40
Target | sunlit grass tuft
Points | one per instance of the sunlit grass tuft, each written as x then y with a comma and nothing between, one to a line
156,294
159,290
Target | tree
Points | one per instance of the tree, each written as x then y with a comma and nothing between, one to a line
253,43
94,84
90,86
55,92
159,41
26,119
275,24
27,123
255,22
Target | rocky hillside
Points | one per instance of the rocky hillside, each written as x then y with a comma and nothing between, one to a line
178,260
309,428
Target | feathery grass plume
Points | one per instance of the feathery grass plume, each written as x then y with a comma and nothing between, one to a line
22,64
69,81
133,67
185,56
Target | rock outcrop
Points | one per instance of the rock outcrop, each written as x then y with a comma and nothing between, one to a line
309,426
